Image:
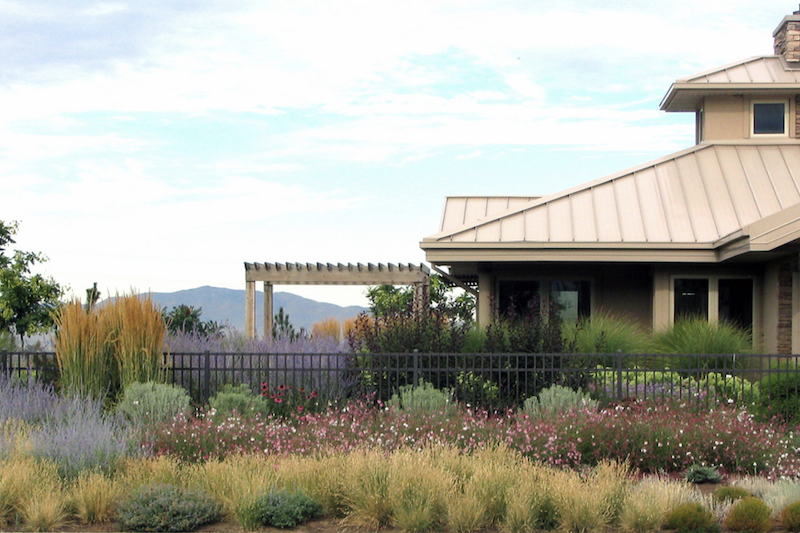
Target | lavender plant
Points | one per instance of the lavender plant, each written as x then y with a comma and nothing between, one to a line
319,363
79,436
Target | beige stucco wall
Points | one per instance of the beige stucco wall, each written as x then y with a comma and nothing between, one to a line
726,118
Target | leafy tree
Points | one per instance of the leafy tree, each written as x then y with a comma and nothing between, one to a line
186,319
387,300
27,300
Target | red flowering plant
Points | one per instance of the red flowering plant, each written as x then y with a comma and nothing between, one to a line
284,401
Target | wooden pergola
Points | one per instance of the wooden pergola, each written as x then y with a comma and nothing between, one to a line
419,276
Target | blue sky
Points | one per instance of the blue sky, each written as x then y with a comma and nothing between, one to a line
158,145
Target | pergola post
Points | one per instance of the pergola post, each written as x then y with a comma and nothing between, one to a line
422,298
250,309
268,309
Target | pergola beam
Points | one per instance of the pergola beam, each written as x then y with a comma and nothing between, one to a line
328,274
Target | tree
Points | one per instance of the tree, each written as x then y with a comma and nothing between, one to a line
387,299
186,319
27,300
282,328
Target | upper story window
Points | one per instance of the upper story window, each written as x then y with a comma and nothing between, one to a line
769,117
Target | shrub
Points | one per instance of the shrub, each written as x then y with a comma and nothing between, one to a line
153,403
790,516
780,391
237,399
702,474
166,508
730,493
280,509
422,399
691,517
749,514
555,400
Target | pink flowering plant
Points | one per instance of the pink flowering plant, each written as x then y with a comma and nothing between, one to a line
651,437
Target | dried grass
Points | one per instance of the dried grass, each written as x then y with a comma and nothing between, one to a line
94,498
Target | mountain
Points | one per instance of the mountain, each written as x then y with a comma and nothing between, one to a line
227,306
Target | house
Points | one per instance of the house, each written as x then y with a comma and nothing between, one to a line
712,230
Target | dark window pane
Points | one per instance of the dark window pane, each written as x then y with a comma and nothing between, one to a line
518,298
691,298
736,302
571,299
769,118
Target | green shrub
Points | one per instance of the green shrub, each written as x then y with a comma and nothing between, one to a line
790,517
166,508
702,474
278,509
730,493
691,517
604,333
749,514
780,391
557,399
151,402
424,399
239,399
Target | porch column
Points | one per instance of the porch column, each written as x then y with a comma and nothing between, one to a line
485,289
268,311
250,309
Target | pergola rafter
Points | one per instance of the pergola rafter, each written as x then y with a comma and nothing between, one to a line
328,274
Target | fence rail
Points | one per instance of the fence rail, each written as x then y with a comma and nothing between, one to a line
497,380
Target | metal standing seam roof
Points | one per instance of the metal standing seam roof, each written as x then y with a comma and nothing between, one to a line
698,196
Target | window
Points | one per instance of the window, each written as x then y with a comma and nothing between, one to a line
691,298
570,299
769,118
714,298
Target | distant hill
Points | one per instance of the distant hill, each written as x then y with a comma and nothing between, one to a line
227,306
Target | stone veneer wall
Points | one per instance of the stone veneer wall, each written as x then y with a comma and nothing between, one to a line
785,308
797,116
787,40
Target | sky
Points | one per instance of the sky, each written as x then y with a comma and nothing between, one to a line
157,145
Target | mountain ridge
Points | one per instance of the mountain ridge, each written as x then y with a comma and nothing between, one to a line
227,306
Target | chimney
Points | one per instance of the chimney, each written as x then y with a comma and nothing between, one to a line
787,38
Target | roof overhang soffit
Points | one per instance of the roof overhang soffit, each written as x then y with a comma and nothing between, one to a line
686,97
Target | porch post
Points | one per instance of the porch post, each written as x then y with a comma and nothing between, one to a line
485,286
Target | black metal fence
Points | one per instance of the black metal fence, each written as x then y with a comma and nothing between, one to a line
492,380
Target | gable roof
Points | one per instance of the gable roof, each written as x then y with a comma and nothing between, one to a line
770,75
702,200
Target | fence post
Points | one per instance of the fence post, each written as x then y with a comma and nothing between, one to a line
207,375
415,358
619,375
